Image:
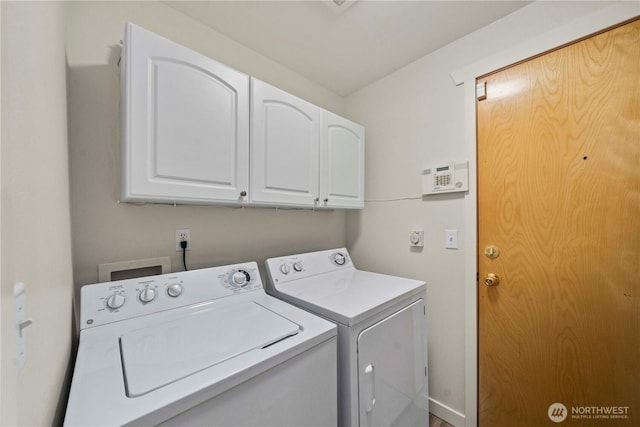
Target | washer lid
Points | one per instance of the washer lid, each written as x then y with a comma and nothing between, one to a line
161,354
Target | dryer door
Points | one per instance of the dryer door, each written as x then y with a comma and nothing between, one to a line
392,374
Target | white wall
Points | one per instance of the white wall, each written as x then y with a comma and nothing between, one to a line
37,157
415,118
105,231
36,246
2,343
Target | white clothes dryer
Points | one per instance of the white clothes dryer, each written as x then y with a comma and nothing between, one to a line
382,342
203,347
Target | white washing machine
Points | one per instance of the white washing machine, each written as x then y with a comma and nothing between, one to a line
382,342
203,347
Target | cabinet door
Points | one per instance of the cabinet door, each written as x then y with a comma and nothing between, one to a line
341,162
392,377
284,147
185,124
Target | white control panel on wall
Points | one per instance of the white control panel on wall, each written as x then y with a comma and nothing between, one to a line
416,238
449,178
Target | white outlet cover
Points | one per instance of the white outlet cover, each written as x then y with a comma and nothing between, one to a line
179,234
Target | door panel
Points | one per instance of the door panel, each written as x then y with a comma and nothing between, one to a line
185,121
285,147
559,196
391,370
341,162
194,124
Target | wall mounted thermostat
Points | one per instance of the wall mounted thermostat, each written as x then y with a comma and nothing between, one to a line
448,178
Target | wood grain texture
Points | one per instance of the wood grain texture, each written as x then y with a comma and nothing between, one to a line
559,194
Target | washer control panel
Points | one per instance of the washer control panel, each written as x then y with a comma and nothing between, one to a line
241,279
114,301
300,266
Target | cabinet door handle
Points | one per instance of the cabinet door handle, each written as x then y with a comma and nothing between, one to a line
326,199
243,194
317,199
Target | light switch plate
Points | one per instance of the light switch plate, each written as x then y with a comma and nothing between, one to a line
451,239
21,322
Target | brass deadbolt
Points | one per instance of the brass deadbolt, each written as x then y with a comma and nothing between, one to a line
491,279
492,252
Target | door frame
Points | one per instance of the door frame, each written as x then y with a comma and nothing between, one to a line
584,26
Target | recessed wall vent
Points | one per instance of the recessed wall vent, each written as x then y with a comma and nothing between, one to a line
133,269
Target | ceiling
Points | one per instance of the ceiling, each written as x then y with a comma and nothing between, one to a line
344,48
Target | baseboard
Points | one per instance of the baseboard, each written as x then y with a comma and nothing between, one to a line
442,411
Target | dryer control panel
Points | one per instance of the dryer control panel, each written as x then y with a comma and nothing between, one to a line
109,302
294,267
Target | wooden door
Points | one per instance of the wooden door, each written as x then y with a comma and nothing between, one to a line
559,197
285,156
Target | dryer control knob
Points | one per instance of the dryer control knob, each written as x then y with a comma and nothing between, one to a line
240,278
285,269
297,266
147,295
174,290
339,258
115,301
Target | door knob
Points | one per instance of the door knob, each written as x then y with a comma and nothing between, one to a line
491,279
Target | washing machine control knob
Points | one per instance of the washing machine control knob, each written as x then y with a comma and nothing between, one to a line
297,266
115,301
240,278
285,269
174,290
147,295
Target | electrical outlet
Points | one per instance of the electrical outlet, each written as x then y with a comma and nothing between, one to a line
182,235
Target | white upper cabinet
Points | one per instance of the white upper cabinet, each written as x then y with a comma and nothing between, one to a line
185,124
196,131
341,162
285,137
302,155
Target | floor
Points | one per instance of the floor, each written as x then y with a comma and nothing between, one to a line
437,422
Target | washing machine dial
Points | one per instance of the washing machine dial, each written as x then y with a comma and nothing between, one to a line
285,269
297,266
115,301
241,278
147,295
174,290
